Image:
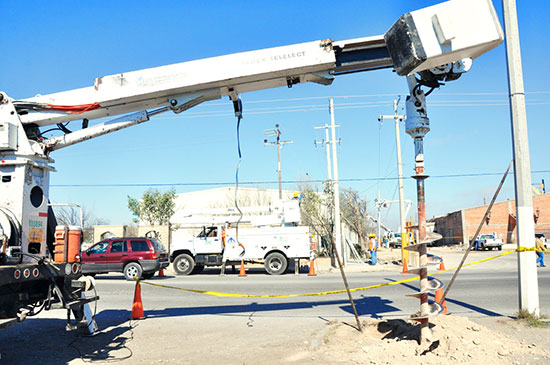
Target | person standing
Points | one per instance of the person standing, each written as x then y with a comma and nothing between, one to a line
539,247
373,246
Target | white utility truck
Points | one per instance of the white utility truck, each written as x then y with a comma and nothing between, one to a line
218,245
429,45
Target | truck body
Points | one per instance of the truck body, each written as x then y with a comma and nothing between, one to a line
488,242
217,245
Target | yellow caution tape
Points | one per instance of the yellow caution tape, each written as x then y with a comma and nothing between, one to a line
526,249
221,294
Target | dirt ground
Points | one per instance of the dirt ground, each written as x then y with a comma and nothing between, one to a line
458,340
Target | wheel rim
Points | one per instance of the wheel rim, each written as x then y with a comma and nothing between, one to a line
183,265
132,271
275,264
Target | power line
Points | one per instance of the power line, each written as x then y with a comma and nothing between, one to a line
286,181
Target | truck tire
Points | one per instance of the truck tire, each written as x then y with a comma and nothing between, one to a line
275,263
184,264
500,248
198,269
132,271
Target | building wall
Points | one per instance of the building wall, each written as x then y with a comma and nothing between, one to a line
501,221
100,232
450,227
162,233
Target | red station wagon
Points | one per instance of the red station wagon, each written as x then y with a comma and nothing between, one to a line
136,257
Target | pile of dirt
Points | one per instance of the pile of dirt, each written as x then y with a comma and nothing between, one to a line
456,340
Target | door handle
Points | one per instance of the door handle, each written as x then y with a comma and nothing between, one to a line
101,255
124,254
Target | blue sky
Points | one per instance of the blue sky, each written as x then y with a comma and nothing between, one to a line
64,45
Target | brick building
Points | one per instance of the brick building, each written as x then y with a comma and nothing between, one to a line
460,226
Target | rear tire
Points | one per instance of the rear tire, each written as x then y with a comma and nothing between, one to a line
500,248
184,264
198,269
148,275
132,271
275,263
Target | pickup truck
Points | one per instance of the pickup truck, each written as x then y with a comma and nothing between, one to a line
488,242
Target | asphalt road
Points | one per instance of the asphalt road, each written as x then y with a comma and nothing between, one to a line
482,290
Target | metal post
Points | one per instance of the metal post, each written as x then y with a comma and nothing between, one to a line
336,188
279,163
527,271
379,205
277,134
397,118
326,142
417,127
329,167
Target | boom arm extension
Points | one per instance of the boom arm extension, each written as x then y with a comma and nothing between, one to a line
184,85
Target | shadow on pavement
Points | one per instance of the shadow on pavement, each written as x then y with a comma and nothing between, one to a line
373,306
472,307
45,341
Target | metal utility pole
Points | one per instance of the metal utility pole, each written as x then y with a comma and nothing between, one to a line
277,133
336,188
397,118
527,269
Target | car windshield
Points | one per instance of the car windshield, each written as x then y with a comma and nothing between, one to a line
159,247
487,236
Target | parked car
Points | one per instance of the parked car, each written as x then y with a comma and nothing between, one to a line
136,257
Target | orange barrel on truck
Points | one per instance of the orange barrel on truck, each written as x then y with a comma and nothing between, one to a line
75,240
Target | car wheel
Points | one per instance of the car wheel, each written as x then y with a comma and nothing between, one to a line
500,248
198,269
275,263
148,275
184,264
133,271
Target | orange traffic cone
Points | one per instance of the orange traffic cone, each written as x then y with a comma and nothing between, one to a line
438,297
405,268
311,268
441,265
242,272
161,273
137,306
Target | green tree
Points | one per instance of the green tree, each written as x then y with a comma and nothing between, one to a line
154,207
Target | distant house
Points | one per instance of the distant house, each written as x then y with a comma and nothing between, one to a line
460,226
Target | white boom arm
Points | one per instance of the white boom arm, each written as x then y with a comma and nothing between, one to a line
440,34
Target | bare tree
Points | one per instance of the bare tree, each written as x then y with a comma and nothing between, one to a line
70,216
354,213
316,209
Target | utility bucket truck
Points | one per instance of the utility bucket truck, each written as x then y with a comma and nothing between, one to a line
429,45
217,246
267,234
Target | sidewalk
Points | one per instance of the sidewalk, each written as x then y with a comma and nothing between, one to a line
391,260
